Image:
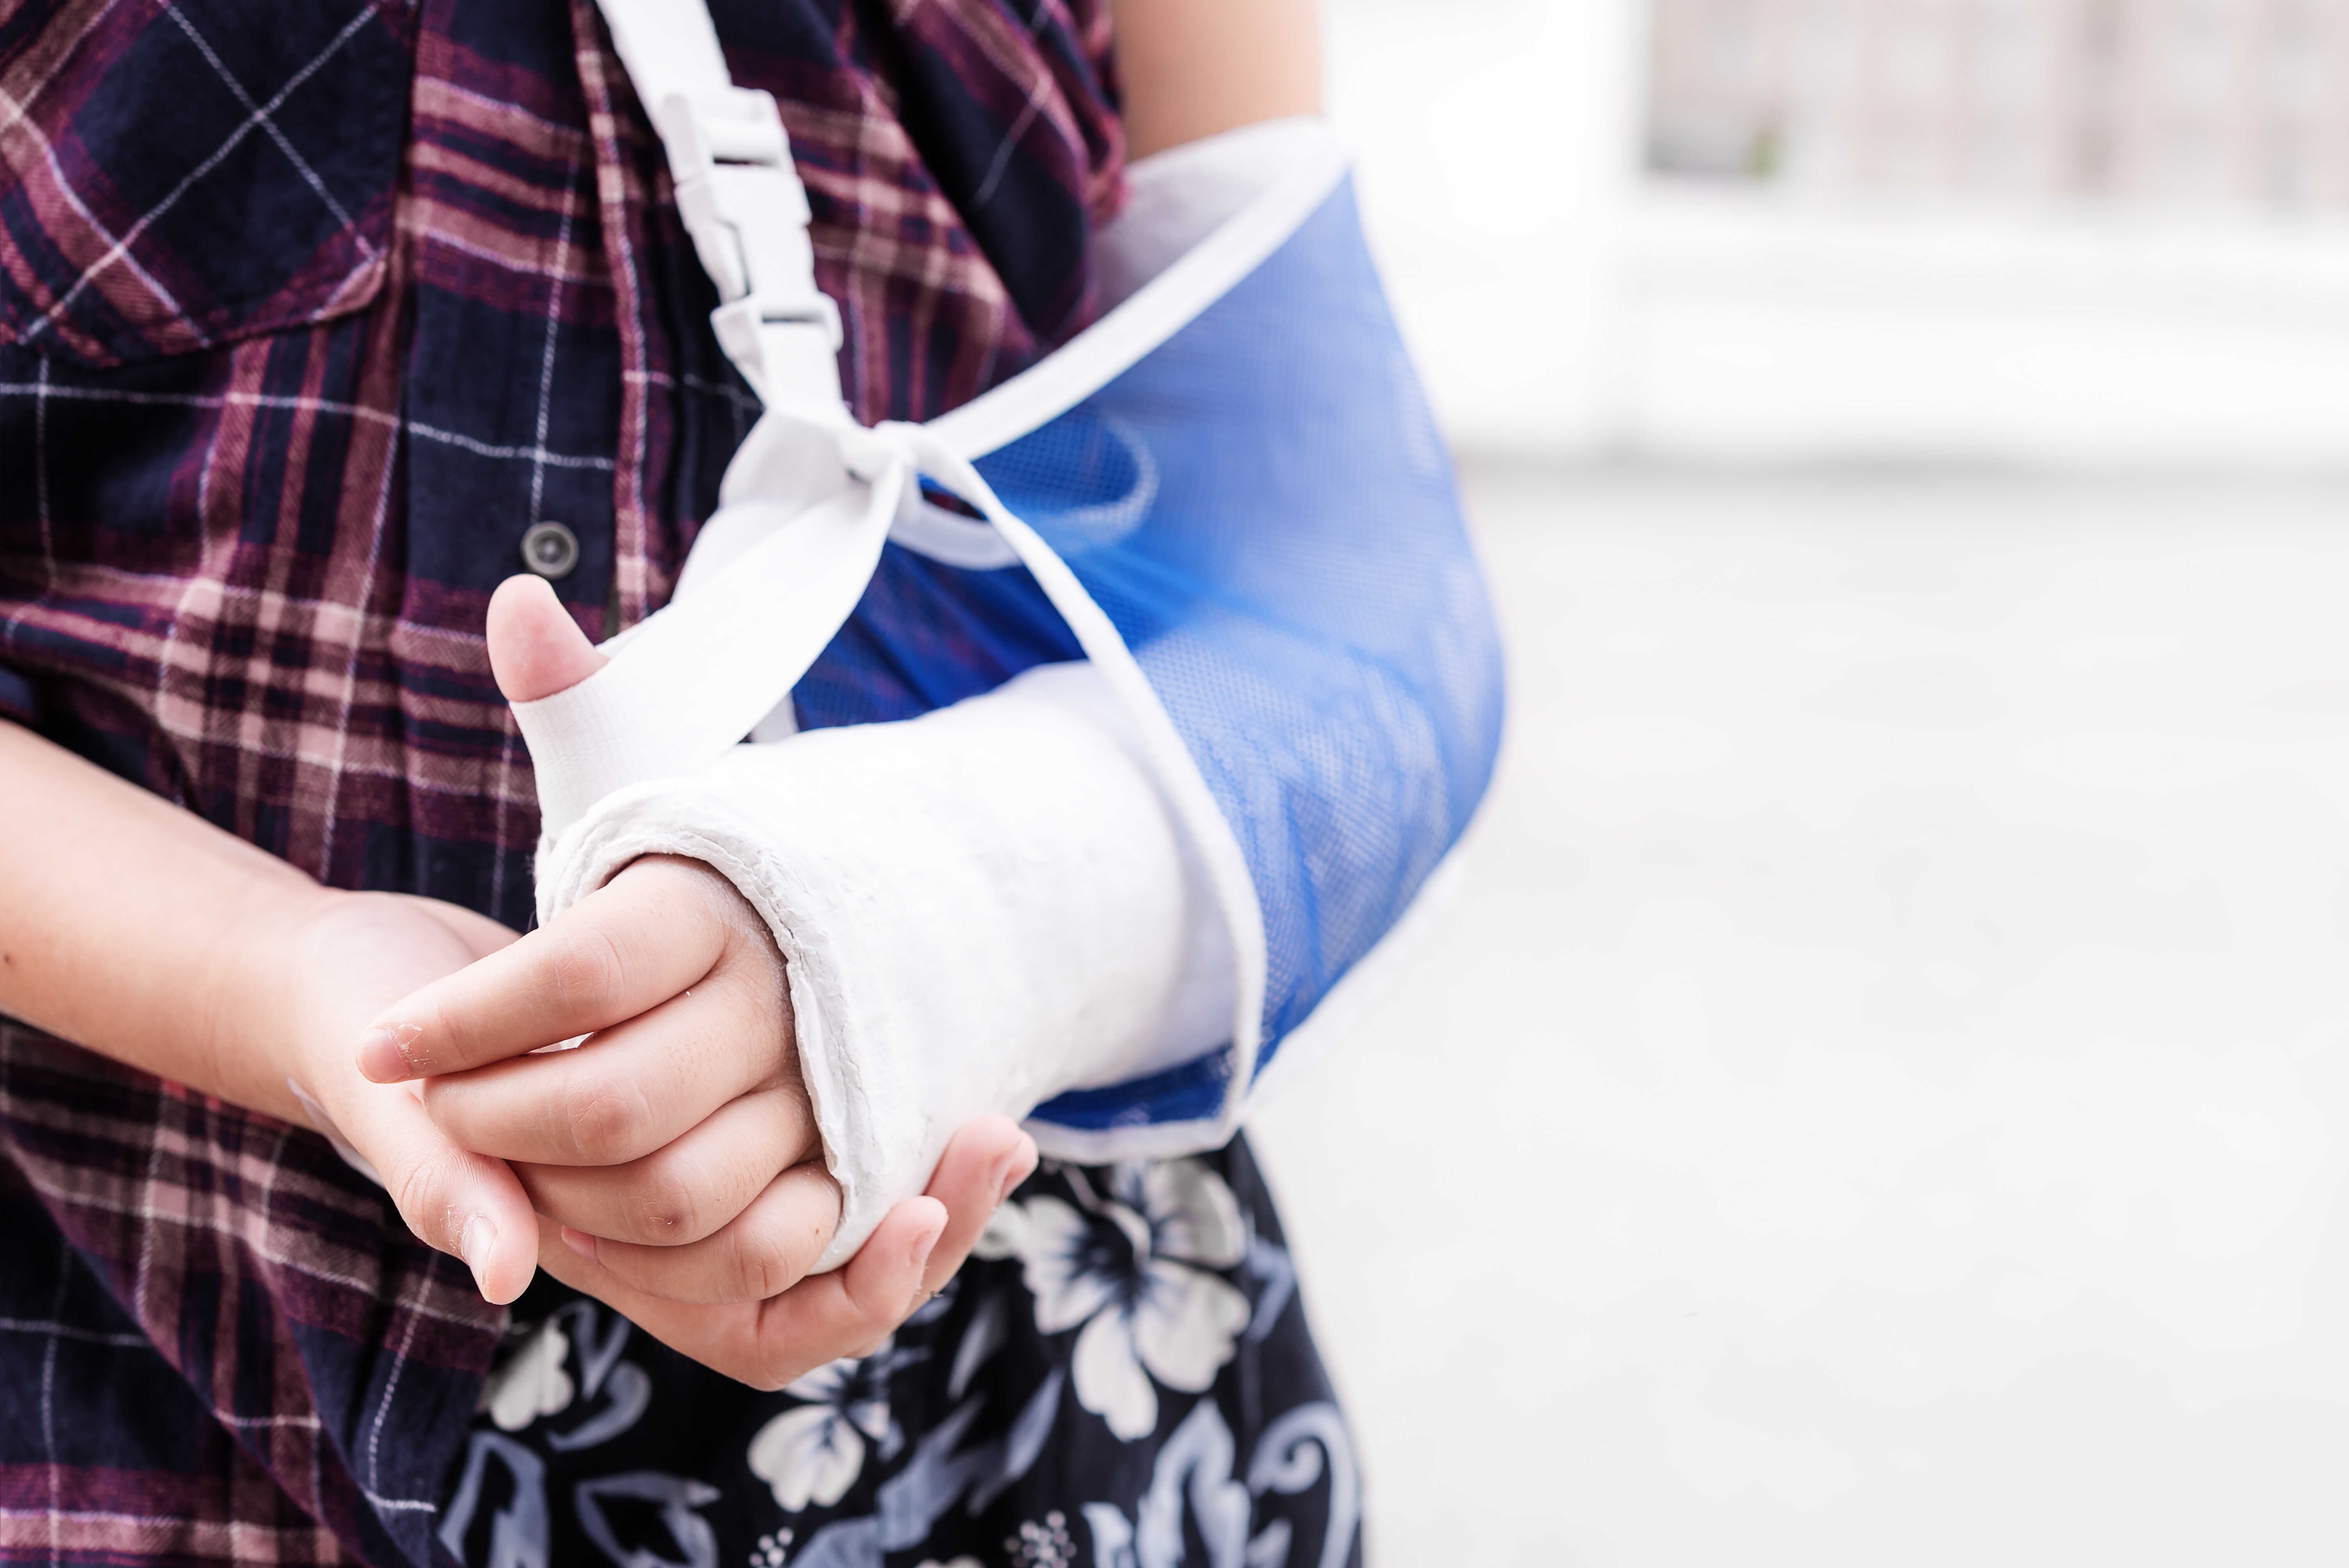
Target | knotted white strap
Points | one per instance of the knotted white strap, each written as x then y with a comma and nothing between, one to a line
806,502
748,619
688,683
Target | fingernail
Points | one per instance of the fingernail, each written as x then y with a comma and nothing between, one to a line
383,1052
925,1242
1011,1173
579,1242
480,1235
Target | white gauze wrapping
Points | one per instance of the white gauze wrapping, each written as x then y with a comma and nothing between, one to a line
978,908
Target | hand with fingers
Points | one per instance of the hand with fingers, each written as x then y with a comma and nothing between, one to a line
675,1145
673,1156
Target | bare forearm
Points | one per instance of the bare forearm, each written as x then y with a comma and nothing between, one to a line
1193,69
126,925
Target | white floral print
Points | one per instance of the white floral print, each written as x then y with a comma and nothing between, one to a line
1108,1300
1042,1543
530,1382
814,1452
1132,1269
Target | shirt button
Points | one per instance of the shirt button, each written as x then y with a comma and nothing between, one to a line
550,550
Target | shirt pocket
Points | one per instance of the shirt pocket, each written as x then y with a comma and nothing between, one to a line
177,177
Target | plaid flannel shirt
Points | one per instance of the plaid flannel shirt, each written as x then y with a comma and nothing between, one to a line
307,314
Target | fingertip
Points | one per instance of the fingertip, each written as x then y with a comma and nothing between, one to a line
926,1220
918,1251
518,607
985,1161
1017,1168
505,1285
383,1053
536,648
1009,1135
499,1240
503,1259
465,1204
888,1267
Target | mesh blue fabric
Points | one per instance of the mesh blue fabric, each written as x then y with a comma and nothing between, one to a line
926,636
1265,508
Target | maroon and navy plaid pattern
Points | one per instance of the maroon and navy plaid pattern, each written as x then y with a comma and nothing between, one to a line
214,1346
307,314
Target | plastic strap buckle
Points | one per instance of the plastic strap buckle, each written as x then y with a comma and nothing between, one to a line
743,205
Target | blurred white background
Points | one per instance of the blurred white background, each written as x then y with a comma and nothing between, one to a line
1880,1095
2035,231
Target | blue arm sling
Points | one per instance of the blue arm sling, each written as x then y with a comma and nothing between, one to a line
1230,494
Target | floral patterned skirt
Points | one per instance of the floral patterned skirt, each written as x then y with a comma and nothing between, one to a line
1120,1376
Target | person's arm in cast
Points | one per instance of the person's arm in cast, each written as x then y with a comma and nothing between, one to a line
698,1176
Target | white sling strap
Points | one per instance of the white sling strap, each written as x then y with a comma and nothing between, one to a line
797,532
742,200
806,503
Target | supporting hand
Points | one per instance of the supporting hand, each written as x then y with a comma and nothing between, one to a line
673,1154
677,1133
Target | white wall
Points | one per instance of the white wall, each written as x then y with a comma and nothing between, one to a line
1496,152
1563,306
1879,1098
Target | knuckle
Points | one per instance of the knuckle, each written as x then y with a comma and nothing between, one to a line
585,971
603,1119
714,896
667,1209
433,1038
421,1194
761,1271
792,1107
545,1187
